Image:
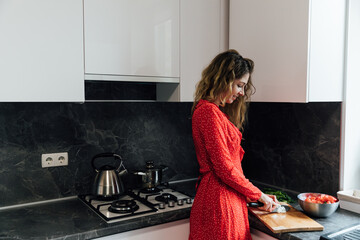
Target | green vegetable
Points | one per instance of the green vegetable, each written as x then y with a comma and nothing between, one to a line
281,196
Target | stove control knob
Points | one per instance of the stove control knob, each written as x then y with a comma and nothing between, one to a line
188,201
171,204
161,206
180,202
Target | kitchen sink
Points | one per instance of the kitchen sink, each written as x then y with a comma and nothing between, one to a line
349,233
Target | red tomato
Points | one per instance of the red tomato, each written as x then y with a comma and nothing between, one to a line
320,199
332,199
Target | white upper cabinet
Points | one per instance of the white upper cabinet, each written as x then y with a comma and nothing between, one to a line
41,50
297,46
131,40
203,34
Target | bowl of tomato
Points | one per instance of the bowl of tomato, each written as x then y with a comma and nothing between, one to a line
318,204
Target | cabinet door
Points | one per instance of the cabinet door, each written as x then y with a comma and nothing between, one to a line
275,35
297,47
178,230
132,39
41,49
203,35
326,50
258,235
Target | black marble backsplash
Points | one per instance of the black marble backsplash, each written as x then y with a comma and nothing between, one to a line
138,132
294,146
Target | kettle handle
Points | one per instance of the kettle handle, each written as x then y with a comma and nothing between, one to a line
116,156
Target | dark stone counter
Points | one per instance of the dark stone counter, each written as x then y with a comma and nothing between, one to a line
72,219
338,220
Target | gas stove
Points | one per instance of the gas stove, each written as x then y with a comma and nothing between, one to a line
137,203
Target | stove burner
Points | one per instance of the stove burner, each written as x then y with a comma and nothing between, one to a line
123,206
150,190
166,197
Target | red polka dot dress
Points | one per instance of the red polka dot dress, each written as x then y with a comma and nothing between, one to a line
219,211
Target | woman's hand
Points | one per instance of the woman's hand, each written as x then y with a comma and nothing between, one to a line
270,202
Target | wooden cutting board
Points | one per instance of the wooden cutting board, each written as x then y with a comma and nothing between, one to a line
291,221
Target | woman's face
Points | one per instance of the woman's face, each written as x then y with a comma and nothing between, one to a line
238,88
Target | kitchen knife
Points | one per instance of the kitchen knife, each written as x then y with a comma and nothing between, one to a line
279,209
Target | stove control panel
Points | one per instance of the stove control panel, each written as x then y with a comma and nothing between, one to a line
180,203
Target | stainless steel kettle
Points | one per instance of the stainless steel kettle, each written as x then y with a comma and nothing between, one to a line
107,183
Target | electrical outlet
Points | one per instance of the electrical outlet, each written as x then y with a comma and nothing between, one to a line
47,160
54,159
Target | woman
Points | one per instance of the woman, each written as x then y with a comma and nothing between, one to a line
219,210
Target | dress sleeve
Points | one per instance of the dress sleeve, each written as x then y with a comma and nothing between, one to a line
211,128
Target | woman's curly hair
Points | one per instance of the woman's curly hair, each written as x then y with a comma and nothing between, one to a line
218,78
